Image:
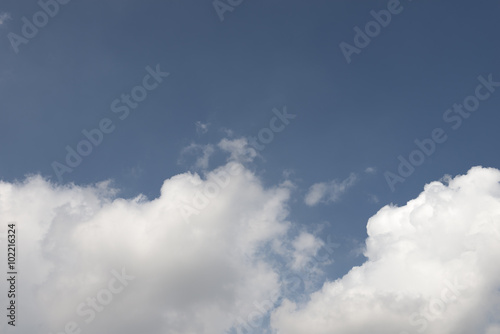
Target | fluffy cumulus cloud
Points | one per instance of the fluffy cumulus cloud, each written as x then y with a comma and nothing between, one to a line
105,264
328,192
114,265
432,267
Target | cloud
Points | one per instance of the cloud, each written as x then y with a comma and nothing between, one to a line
370,170
190,277
328,192
431,268
373,198
202,128
134,172
227,132
430,264
305,247
4,17
493,330
195,149
239,149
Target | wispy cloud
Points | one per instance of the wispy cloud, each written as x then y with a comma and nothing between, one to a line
202,152
202,128
370,170
238,148
328,192
4,17
373,198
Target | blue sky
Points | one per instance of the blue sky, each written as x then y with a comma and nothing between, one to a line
230,74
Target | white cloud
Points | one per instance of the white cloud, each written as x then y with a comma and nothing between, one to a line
305,247
431,268
370,170
239,149
4,17
328,192
195,149
202,128
494,329
193,277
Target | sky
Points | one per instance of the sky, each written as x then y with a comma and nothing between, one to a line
232,166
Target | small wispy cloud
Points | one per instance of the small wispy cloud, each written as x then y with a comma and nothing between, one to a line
370,170
134,172
201,152
202,128
4,17
239,149
373,198
328,192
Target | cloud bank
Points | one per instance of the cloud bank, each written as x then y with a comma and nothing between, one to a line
113,265
198,276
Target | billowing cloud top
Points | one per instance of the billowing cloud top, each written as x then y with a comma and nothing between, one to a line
432,268
199,259
191,261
